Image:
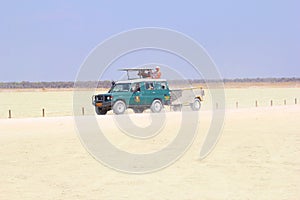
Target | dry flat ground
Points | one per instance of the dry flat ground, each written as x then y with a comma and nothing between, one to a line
257,157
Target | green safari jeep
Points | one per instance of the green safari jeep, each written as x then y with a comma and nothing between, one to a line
137,94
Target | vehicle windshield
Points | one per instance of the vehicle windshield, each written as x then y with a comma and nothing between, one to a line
122,87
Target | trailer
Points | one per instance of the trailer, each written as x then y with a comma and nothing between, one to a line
191,97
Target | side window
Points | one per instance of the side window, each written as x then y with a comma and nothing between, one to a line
149,85
126,87
163,85
158,85
136,87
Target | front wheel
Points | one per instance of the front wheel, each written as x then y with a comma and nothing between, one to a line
100,111
196,105
156,106
119,107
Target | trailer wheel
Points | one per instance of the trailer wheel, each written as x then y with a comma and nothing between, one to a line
156,106
196,105
119,107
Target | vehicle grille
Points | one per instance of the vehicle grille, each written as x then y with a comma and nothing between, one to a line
99,98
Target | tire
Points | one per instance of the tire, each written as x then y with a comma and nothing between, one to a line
156,106
196,105
138,110
119,107
100,112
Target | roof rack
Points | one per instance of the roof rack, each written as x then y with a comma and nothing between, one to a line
140,71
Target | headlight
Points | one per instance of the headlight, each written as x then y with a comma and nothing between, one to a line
109,98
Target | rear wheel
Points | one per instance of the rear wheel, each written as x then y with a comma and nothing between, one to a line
156,106
196,105
100,111
119,107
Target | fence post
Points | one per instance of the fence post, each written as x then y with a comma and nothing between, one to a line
217,106
9,114
256,104
43,112
237,104
82,110
271,102
284,102
295,100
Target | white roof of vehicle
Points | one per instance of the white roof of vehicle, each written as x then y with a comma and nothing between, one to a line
141,80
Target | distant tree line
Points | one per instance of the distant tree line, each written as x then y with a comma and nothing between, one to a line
55,84
107,84
267,80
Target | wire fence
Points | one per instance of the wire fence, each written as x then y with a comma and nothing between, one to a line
53,104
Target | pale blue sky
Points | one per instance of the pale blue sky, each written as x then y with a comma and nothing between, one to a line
48,40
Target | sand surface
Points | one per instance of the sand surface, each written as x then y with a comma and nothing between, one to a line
257,157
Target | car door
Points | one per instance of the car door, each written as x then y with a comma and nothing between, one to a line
162,91
149,93
136,94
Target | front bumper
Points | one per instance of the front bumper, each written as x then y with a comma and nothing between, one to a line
101,104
